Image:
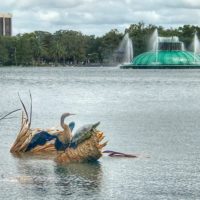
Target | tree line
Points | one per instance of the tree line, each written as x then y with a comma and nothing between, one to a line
68,47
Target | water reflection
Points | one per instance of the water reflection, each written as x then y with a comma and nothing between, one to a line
43,156
83,178
45,177
90,172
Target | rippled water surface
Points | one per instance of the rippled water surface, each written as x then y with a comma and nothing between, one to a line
153,113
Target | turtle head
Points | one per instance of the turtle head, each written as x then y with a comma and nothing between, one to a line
71,126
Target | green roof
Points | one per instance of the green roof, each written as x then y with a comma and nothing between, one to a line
175,57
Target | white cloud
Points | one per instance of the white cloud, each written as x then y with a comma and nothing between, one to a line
97,17
48,16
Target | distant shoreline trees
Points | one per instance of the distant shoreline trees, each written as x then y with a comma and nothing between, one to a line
68,47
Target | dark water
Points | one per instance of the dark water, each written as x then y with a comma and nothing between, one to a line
154,113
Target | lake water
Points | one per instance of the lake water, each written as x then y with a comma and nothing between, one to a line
152,113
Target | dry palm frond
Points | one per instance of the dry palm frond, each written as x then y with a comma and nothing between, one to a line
6,116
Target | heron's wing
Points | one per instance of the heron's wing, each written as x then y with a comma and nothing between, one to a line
39,139
83,134
29,140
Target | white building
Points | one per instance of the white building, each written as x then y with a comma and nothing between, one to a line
6,24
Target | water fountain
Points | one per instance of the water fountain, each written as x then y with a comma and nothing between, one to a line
196,46
125,49
167,52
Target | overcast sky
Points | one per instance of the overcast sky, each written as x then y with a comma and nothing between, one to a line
96,17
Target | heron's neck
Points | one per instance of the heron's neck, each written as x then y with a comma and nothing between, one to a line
67,133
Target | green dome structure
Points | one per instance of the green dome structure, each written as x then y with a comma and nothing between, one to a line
168,55
167,58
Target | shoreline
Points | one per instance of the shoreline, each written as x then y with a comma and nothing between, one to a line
68,66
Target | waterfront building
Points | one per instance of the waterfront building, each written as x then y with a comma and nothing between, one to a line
5,24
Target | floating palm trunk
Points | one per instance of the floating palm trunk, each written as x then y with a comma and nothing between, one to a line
83,146
88,150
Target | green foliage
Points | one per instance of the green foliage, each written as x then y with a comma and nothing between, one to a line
109,43
67,47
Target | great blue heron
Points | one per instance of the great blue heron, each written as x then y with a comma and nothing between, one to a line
66,137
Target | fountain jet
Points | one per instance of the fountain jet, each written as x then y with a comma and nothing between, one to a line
196,46
153,43
182,46
126,49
